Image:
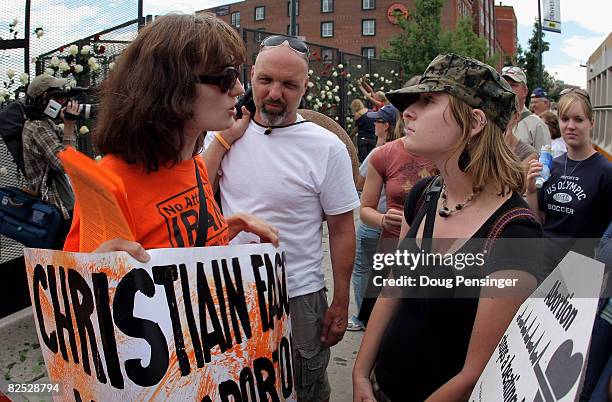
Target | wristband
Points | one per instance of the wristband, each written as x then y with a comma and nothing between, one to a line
222,141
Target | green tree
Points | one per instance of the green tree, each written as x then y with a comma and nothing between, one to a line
528,60
462,40
418,44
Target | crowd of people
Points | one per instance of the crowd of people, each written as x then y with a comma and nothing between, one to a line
451,155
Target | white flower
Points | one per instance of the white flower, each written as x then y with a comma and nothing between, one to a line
83,130
359,66
322,94
329,83
326,88
348,119
63,66
72,83
340,66
86,49
309,98
39,32
78,68
328,105
375,75
330,96
310,84
348,75
316,107
10,73
98,158
334,74
111,66
73,50
335,90
95,67
54,61
367,75
396,74
382,88
349,93
24,78
392,71
49,71
310,72
337,99
336,118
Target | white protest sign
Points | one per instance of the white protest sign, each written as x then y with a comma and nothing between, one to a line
542,353
206,324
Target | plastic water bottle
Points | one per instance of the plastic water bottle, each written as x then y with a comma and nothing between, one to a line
546,158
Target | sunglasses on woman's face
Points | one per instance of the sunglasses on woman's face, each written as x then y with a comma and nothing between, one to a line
579,91
295,44
226,81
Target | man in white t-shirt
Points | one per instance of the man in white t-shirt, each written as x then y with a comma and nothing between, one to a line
294,173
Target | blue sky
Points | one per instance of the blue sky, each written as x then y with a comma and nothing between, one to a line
585,24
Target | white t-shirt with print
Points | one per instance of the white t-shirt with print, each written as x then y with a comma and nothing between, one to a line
290,178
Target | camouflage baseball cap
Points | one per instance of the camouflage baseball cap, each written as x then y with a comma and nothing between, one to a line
467,79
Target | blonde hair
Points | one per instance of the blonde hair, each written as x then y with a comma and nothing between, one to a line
380,95
491,158
567,100
398,132
357,105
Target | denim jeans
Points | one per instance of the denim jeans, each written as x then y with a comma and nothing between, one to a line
367,241
599,366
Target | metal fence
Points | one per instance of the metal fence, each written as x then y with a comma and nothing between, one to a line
32,32
334,75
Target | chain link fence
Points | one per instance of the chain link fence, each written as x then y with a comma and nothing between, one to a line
33,32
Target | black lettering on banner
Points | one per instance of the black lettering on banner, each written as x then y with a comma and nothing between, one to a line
40,281
193,329
272,302
107,331
236,300
283,296
77,396
229,389
265,386
83,306
63,321
256,263
207,307
123,306
286,369
221,300
247,380
166,275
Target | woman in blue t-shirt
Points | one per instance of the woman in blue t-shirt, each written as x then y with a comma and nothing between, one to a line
574,203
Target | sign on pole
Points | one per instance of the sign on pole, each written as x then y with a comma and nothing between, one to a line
204,324
552,16
543,352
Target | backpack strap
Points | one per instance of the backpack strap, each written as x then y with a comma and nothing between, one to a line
423,195
502,222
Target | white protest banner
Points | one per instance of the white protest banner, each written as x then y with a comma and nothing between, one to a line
552,16
543,352
206,324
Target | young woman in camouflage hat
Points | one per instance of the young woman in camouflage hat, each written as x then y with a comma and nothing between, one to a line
434,343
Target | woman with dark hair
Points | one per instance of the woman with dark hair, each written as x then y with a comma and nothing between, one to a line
435,347
175,81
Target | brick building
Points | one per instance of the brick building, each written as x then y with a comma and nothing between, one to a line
505,27
356,26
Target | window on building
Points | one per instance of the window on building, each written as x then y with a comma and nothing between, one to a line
259,36
369,52
297,29
260,13
368,4
327,6
327,29
235,19
297,8
368,27
327,55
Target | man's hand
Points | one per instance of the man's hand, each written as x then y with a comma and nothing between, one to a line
334,323
239,127
242,222
73,108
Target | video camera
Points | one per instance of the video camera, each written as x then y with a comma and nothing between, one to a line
86,110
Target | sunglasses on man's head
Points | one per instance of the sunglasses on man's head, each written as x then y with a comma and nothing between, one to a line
294,43
226,81
379,121
579,91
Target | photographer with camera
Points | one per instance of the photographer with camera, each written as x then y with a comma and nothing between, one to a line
43,139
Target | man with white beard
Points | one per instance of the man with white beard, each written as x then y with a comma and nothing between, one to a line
294,173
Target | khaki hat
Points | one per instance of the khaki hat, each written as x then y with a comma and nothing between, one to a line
467,79
516,74
43,82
